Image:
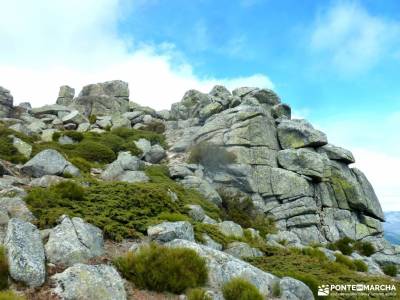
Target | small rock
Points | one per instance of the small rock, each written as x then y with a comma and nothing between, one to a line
230,228
74,241
25,253
100,282
168,231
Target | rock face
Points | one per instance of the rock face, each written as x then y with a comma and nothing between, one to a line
25,253
6,103
286,166
73,241
49,162
223,267
81,281
66,95
103,98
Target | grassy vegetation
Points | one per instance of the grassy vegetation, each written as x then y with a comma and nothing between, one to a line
197,294
3,269
314,269
161,269
390,270
9,295
7,150
240,289
347,246
211,156
356,264
241,210
121,210
74,135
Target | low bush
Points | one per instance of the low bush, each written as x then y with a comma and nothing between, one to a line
9,152
82,164
92,119
213,232
364,248
344,260
241,210
94,151
159,268
240,289
197,294
344,245
360,266
74,135
121,210
211,156
390,270
3,269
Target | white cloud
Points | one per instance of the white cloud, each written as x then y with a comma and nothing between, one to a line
376,147
350,39
51,43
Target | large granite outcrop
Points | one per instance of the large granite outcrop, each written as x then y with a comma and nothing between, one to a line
6,103
103,98
286,166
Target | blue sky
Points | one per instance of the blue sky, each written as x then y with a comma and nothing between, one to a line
335,62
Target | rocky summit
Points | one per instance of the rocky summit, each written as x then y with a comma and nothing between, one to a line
102,198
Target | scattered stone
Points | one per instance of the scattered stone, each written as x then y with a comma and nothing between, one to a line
155,155
74,241
242,250
100,282
49,162
168,231
25,253
230,228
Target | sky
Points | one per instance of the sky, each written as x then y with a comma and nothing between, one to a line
337,63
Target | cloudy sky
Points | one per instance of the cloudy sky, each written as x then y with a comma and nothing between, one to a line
337,63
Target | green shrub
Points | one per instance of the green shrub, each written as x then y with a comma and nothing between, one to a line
74,135
9,152
344,245
82,164
241,210
344,260
315,253
197,294
162,269
121,210
213,232
94,151
360,266
211,156
172,217
390,270
364,248
3,269
240,289
92,119
9,295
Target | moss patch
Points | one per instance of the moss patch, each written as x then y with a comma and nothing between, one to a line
3,269
7,150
